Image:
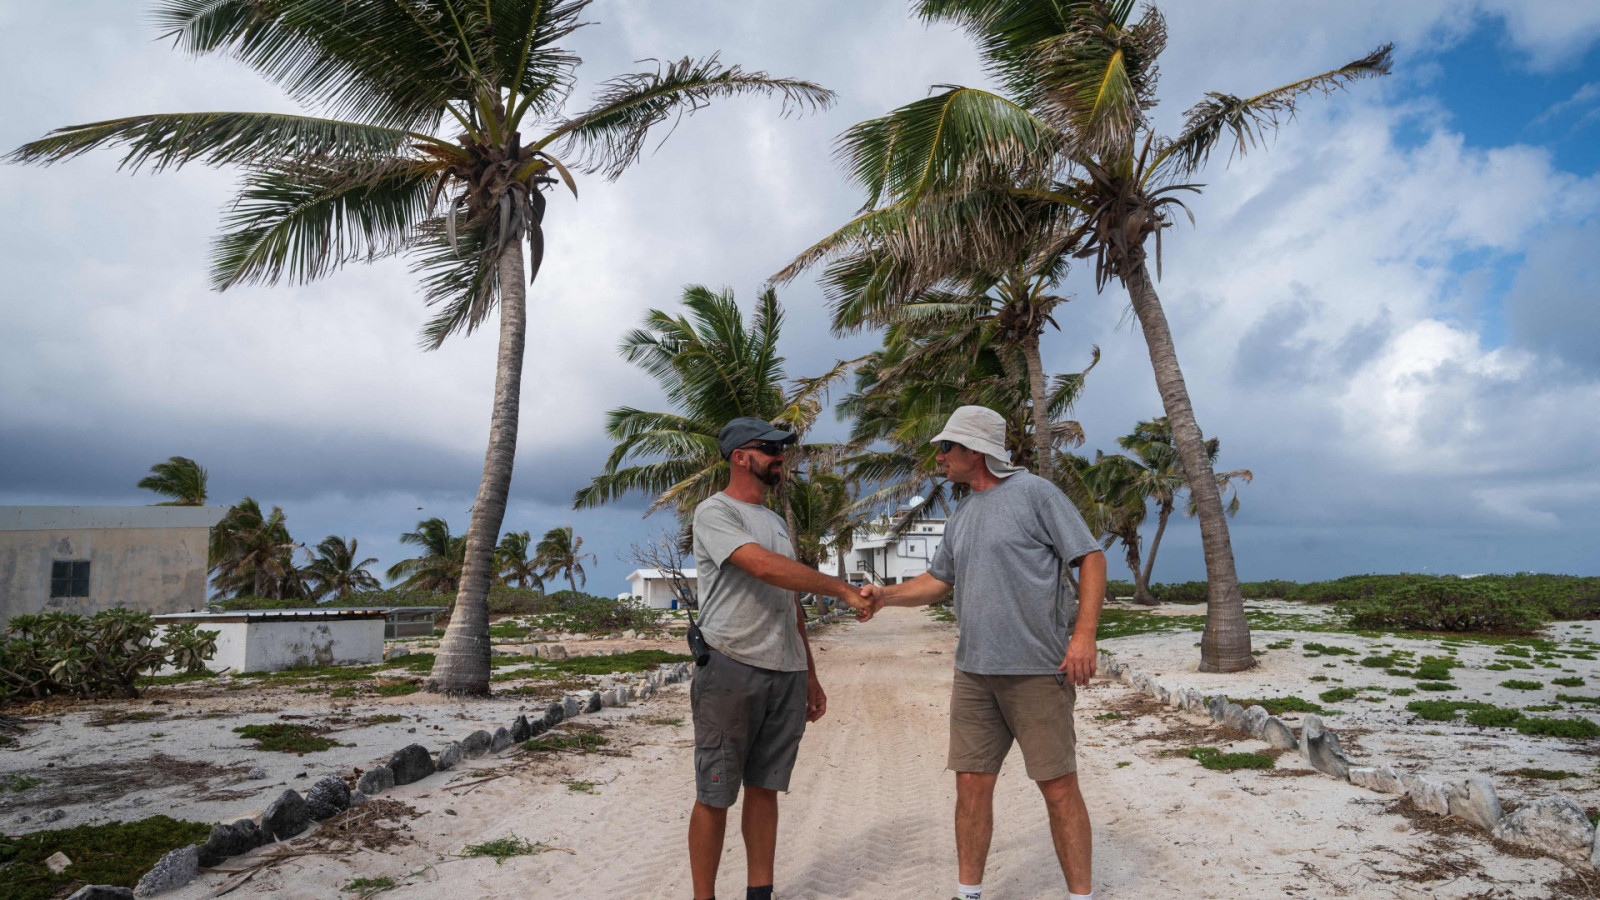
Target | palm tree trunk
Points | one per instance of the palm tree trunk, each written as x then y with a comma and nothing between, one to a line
462,666
1043,466
1225,644
1141,581
1131,556
571,582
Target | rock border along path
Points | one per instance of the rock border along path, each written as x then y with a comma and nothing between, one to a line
1553,825
291,814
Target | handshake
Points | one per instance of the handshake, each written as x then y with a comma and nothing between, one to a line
866,600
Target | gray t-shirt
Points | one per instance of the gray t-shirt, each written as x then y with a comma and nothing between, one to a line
742,616
1005,550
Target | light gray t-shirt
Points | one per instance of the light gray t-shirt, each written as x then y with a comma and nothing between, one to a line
1005,551
742,616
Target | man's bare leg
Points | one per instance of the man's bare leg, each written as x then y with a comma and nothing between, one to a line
759,825
974,824
1070,830
707,825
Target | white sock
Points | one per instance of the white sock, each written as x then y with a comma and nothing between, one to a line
969,891
1072,896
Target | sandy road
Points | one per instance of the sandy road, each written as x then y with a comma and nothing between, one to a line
869,810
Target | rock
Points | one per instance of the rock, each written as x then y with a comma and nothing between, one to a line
1320,747
357,798
229,840
57,862
1277,733
1217,707
375,781
520,729
1475,801
54,815
327,798
1233,717
1428,795
1551,824
592,703
536,727
476,744
500,740
554,715
449,756
611,698
646,691
102,892
257,773
1594,851
1255,718
1163,694
173,871
286,817
396,652
411,763
1376,778
630,635
1126,676
555,651
570,707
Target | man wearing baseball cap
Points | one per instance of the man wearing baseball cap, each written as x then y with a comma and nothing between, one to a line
1026,640
757,688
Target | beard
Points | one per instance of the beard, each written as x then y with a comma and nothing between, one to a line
771,475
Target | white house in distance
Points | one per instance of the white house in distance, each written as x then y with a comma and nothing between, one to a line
654,588
877,557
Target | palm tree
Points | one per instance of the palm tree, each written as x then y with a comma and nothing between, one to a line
180,478
439,567
712,368
421,149
252,554
512,562
561,552
1079,79
336,570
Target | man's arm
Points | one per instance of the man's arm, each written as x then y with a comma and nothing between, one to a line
919,591
781,571
1079,664
816,699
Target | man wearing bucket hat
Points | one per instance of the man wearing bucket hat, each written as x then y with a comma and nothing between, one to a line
756,687
1026,640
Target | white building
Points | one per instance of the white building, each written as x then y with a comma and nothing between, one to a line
655,588
878,557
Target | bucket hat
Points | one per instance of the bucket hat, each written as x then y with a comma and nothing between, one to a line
984,430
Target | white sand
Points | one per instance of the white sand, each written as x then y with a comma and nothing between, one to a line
869,812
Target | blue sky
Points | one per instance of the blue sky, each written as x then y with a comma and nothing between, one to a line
1389,314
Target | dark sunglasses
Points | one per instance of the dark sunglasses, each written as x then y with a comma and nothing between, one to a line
770,448
947,446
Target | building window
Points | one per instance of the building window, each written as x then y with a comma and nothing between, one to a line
69,578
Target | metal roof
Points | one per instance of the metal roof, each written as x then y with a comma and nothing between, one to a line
75,518
280,615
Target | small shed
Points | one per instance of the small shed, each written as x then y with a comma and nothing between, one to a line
657,589
269,640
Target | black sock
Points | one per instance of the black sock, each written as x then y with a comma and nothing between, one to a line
758,893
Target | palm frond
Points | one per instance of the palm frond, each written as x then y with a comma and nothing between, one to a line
216,139
610,136
1098,77
461,276
1251,119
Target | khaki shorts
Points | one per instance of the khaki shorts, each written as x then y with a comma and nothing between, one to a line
988,712
747,728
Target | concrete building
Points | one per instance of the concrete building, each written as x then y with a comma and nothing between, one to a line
270,640
84,559
877,557
655,588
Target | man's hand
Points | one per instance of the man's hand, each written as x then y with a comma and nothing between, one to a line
816,699
864,601
1079,664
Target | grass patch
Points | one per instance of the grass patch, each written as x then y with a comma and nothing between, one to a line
282,737
1378,662
1435,686
117,853
366,887
1326,649
1567,682
1544,774
1337,694
946,613
673,721
1402,692
1280,705
1435,668
502,849
1542,707
636,661
398,690
1217,761
583,787
1563,728
16,784
1498,667
1578,698
1443,710
1107,716
1518,684
1494,717
179,678
577,742
1124,764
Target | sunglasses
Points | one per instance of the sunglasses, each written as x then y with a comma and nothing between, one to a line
770,448
947,446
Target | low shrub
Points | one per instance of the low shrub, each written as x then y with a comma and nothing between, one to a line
1443,604
1443,710
1216,760
1435,668
1494,717
1567,682
1328,649
1274,589
1565,728
1181,592
1115,589
1337,694
100,655
1579,698
1517,684
284,737
1435,686
1279,705
1378,662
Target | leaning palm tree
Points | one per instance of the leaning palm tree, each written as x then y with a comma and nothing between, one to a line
179,478
1078,81
253,554
439,567
560,552
512,562
443,123
712,367
335,570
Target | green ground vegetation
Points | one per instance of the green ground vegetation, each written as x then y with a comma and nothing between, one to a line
285,737
1216,760
502,849
115,853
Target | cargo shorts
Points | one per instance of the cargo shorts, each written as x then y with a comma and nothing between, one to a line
748,722
989,712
